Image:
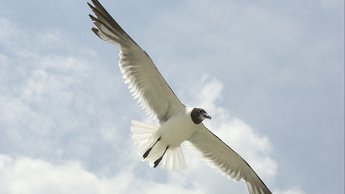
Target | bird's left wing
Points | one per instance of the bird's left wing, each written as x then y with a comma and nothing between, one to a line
227,160
145,81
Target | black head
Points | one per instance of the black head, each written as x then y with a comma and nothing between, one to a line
198,115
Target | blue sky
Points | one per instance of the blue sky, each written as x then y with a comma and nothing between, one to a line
271,74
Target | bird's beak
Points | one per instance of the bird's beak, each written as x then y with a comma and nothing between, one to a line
207,116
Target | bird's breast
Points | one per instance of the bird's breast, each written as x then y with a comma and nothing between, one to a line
177,129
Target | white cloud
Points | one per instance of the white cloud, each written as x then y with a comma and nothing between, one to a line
32,176
55,97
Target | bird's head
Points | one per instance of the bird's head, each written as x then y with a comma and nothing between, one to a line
198,115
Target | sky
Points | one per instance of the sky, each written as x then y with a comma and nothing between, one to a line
270,73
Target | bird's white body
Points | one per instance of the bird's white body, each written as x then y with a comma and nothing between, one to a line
177,129
171,134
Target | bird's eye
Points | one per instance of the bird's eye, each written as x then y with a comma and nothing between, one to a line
202,111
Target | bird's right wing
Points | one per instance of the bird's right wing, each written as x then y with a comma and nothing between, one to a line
227,160
145,81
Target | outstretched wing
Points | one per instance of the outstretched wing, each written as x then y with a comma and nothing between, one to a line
227,160
145,81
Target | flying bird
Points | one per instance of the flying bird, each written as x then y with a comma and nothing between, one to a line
160,145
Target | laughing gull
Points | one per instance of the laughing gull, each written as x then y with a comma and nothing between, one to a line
160,145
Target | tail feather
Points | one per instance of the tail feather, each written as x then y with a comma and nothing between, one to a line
145,136
174,160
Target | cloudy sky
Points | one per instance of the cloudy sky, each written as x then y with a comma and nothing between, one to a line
271,74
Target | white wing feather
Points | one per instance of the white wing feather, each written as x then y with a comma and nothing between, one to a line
221,156
146,83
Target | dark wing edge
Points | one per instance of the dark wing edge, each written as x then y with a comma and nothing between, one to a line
145,81
221,156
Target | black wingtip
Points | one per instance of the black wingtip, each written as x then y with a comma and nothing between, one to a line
93,18
91,6
97,4
96,31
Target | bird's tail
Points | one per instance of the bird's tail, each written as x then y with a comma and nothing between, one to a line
147,139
